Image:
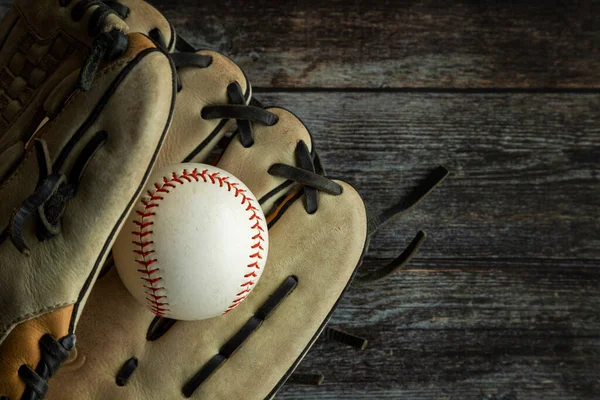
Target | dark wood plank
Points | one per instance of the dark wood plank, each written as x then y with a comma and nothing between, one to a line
525,168
445,330
504,297
381,43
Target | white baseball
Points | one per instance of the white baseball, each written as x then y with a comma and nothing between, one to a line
195,244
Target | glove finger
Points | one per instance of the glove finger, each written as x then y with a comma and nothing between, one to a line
94,157
193,136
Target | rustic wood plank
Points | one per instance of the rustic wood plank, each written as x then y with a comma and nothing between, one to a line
379,43
503,299
490,295
525,168
383,44
445,330
448,329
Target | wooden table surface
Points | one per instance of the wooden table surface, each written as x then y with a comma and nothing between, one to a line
503,300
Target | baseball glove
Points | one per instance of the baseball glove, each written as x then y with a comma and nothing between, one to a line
318,229
64,149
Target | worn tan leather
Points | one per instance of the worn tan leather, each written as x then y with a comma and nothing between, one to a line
22,347
201,87
59,272
113,327
41,44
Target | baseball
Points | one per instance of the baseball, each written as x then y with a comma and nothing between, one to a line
195,245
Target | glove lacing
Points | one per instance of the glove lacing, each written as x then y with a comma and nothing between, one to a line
107,46
53,354
47,205
53,191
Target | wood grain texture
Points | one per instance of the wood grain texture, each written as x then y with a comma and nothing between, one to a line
399,44
447,330
503,299
394,44
525,170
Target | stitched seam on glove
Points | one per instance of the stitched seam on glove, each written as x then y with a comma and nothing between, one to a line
58,306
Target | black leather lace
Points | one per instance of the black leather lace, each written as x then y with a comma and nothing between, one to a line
107,46
376,221
53,191
119,8
53,354
308,173
242,113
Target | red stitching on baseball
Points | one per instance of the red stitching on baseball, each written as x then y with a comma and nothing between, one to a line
186,176
141,234
221,180
143,253
154,196
142,244
144,225
146,263
154,302
152,281
213,176
149,273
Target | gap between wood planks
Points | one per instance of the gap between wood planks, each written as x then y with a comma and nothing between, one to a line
259,89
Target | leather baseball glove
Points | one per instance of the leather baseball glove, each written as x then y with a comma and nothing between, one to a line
319,232
69,128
